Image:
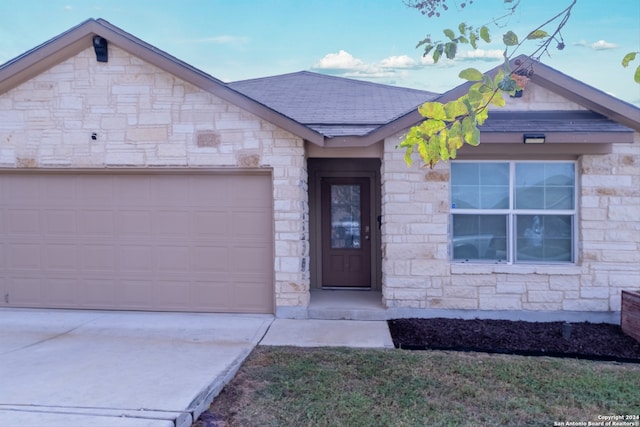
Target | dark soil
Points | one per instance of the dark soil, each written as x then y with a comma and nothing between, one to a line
597,341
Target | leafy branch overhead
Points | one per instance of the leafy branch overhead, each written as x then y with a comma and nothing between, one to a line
448,126
631,56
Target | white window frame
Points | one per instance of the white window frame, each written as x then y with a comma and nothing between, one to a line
512,213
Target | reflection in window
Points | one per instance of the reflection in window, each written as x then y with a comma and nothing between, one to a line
544,238
513,211
345,216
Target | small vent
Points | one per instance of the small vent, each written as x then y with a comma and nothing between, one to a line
207,139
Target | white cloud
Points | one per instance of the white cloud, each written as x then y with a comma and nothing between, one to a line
68,8
341,61
602,45
481,55
400,62
599,45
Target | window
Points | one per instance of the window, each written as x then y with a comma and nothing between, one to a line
513,212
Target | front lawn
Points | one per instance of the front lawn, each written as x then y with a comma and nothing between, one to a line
289,386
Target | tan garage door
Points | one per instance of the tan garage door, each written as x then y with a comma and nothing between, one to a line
137,241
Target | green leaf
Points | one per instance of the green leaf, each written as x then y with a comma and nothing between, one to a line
474,96
425,41
484,34
481,116
507,84
450,34
431,126
498,100
433,110
473,39
463,39
510,38
471,74
438,52
537,34
450,50
454,109
467,127
408,159
462,27
628,58
427,49
442,145
636,76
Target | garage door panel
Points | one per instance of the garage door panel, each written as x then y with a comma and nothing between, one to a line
173,241
136,258
135,294
133,192
132,222
171,223
96,191
98,293
170,258
60,257
60,291
60,222
173,295
98,257
59,191
24,291
23,221
96,223
211,223
249,258
23,256
251,224
211,258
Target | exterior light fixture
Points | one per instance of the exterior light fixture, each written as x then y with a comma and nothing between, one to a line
533,138
100,46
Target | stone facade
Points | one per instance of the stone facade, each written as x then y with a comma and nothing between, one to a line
418,273
128,113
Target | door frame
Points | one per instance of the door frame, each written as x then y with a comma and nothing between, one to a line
343,168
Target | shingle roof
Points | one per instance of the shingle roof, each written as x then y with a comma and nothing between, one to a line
333,106
550,121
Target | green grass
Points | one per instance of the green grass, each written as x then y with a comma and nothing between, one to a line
287,386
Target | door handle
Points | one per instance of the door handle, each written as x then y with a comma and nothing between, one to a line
366,232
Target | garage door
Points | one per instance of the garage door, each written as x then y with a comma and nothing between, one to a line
137,241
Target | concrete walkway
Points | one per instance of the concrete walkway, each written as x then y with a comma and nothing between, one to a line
329,333
77,368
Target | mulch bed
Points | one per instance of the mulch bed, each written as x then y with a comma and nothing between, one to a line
595,341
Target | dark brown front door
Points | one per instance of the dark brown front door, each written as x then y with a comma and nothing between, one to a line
346,232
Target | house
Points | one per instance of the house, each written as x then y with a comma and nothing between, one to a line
131,180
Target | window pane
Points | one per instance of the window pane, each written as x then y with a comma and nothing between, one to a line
345,216
479,185
479,237
544,238
545,186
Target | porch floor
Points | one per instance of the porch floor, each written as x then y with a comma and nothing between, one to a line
346,304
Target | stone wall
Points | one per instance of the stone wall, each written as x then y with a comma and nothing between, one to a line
417,272
129,113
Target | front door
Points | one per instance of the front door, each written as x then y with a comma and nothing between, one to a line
346,232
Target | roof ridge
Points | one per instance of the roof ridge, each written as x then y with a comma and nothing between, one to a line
335,78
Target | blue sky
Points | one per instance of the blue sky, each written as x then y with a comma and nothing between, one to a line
366,39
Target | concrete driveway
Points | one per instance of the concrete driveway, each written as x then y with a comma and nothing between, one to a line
117,369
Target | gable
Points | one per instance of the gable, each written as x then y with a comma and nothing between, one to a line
538,98
80,38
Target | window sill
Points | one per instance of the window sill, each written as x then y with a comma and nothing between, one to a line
468,268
